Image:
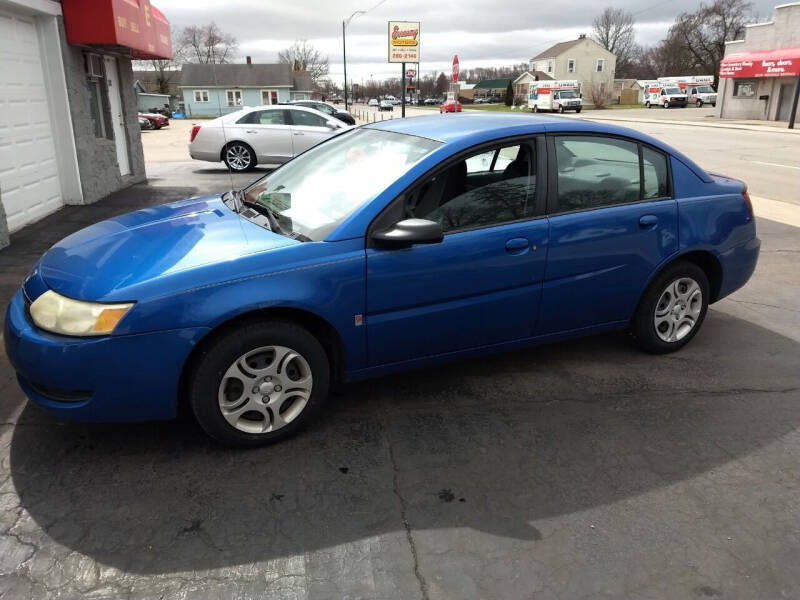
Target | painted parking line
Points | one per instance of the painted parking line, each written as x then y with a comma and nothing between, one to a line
776,165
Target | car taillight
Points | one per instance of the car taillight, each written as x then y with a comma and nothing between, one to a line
195,131
746,197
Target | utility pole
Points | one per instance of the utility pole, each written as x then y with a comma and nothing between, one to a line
344,50
344,61
403,92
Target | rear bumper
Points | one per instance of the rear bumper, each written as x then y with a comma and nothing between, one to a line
103,379
198,154
738,265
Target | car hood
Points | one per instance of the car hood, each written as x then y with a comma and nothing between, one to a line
107,259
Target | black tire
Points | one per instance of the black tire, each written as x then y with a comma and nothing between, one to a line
578,111
246,150
648,105
207,370
699,104
642,325
535,108
666,104
714,104
561,109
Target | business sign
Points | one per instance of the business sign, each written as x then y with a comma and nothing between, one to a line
411,73
455,69
783,62
355,88
403,41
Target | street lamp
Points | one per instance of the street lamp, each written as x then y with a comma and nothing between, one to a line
346,22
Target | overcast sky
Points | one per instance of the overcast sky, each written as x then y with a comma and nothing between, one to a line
481,32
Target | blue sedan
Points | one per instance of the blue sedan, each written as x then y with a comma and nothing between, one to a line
391,246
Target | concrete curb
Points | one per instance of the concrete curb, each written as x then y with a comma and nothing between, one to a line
692,123
775,210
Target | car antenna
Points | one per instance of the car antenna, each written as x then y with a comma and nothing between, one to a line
222,121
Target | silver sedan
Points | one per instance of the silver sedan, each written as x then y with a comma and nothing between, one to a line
261,135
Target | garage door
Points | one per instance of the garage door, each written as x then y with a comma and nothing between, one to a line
29,180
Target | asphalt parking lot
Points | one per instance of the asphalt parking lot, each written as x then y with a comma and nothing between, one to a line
584,469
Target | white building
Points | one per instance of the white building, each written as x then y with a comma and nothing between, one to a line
759,74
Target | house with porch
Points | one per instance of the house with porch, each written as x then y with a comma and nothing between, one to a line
213,90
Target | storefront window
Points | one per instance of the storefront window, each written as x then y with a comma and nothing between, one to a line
98,96
743,88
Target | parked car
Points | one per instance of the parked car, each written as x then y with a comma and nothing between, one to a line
702,94
248,306
386,105
262,135
158,120
452,106
431,101
145,123
373,102
344,116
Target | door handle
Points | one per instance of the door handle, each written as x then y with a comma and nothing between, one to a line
517,245
299,133
251,131
648,221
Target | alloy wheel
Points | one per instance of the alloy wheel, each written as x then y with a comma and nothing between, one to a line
678,309
265,389
238,157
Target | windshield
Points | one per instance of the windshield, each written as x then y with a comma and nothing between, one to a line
568,95
673,90
705,89
313,193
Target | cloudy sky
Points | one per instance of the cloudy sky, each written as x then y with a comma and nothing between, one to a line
481,32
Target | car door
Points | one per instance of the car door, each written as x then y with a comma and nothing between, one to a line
268,133
613,221
481,285
309,128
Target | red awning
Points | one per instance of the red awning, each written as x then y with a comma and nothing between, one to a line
134,25
783,62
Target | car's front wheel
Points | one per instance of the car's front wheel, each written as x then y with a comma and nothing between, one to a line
259,383
699,104
672,308
239,157
666,103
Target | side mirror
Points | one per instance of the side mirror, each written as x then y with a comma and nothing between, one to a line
409,232
333,124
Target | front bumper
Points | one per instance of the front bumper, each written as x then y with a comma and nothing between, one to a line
104,379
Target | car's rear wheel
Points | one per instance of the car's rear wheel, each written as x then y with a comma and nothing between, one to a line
535,108
239,157
672,308
647,104
259,383
577,110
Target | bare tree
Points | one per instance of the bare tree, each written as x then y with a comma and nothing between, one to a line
598,94
702,34
164,69
207,44
613,29
305,57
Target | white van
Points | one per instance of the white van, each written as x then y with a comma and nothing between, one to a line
555,95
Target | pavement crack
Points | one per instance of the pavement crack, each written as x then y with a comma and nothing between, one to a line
794,310
423,585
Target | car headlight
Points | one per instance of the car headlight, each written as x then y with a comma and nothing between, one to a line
56,313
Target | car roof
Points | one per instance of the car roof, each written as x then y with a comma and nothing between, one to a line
465,129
